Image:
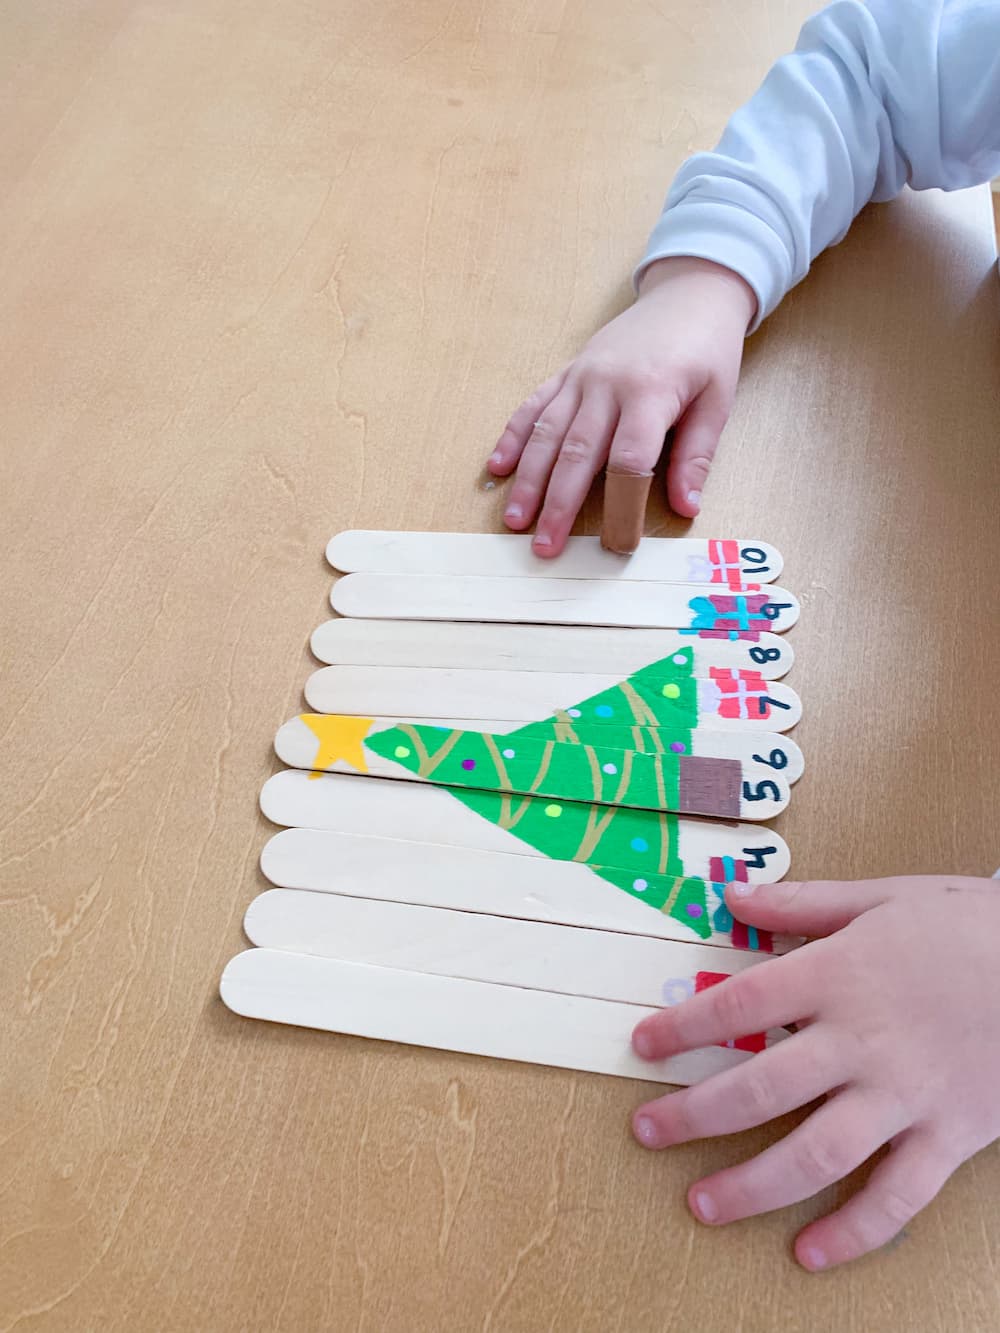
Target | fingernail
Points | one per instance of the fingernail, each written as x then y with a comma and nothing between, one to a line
694,498
514,511
740,890
704,1206
812,1258
496,456
642,1045
542,539
645,1131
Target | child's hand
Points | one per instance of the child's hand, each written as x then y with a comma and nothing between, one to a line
672,359
899,1014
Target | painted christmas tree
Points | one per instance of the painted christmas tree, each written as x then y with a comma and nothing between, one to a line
598,782
578,775
627,746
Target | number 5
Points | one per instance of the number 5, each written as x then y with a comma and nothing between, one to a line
763,790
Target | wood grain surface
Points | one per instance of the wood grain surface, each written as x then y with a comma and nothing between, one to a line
269,270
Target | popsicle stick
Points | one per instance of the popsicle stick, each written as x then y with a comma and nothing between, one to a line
601,964
416,813
452,1014
658,559
425,692
564,602
716,786
762,754
468,879
563,649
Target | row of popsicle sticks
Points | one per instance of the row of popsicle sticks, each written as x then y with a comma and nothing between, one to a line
402,701
453,933
697,746
345,835
457,980
722,775
404,914
485,578
767,762
390,691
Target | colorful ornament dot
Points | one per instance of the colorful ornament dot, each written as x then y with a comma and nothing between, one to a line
678,747
694,909
468,764
509,754
553,811
572,712
639,845
603,710
640,885
402,752
680,659
671,691
611,769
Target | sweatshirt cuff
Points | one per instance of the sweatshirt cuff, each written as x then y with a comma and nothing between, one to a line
725,234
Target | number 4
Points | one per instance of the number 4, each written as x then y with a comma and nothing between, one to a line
755,857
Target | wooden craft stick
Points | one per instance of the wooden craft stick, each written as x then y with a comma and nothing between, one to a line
563,649
660,559
452,1014
300,744
625,496
470,879
601,964
743,705
556,601
727,786
426,814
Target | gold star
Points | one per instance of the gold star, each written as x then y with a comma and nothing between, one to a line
340,738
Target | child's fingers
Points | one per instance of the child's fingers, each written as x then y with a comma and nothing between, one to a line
899,1187
812,907
636,446
515,435
538,459
581,454
778,1080
844,1132
696,438
778,992
641,431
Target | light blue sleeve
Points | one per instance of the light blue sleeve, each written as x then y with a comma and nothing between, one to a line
875,96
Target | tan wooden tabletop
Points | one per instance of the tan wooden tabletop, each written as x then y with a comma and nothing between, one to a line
272,268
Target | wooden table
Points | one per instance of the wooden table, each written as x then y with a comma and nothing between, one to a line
274,269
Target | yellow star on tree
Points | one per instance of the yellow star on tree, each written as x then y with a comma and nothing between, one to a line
340,738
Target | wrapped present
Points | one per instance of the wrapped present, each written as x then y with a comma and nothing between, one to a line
755,1041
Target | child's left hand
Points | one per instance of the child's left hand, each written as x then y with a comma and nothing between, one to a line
898,1011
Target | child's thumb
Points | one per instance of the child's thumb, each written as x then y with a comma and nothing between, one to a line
813,907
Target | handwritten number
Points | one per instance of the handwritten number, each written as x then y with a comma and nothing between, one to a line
753,555
755,856
765,789
778,759
766,699
762,655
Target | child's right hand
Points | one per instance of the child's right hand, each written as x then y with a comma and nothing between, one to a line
672,359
